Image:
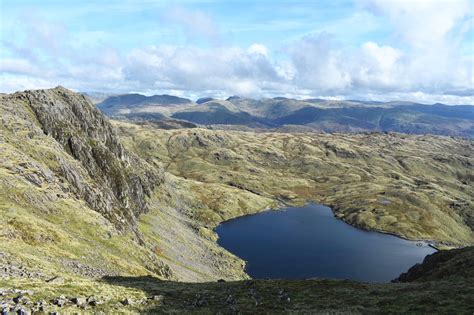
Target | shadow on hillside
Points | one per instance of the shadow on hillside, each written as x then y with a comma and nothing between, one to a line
247,296
170,295
277,296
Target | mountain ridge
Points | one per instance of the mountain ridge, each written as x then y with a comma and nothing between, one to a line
315,114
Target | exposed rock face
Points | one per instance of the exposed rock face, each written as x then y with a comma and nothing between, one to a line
119,182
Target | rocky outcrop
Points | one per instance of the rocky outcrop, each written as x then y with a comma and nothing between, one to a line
119,182
441,265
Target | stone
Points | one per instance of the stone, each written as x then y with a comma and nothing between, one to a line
199,301
78,301
230,300
60,301
127,301
283,296
18,299
23,311
92,301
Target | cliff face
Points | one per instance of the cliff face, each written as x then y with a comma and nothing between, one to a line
118,183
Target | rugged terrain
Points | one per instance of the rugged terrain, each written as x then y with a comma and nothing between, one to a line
285,114
417,187
107,216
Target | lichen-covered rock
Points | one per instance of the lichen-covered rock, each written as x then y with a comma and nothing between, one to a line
118,183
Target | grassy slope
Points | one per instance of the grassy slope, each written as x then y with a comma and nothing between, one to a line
418,187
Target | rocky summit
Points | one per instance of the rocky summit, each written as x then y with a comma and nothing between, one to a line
119,216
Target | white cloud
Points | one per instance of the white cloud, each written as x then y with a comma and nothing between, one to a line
18,66
319,64
423,23
378,67
258,49
425,65
230,69
193,22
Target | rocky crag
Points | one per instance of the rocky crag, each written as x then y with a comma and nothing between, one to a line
118,183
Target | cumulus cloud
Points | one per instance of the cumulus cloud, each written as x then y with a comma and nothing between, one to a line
233,70
431,33
258,49
423,23
319,64
425,63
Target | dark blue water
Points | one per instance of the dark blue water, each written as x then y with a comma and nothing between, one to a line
306,242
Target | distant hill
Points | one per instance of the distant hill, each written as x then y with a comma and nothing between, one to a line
313,114
204,100
116,105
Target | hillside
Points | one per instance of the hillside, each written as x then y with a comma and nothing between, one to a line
314,114
124,213
417,187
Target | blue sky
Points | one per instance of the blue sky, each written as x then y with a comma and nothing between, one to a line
418,50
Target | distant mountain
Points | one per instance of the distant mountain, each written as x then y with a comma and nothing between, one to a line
313,114
127,103
204,100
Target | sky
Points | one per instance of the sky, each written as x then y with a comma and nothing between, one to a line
414,50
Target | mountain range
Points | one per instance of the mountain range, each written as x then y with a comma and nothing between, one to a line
287,114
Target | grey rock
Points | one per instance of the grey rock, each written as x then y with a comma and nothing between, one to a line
60,301
78,301
230,300
127,301
199,301
283,296
23,311
18,299
93,301
89,138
